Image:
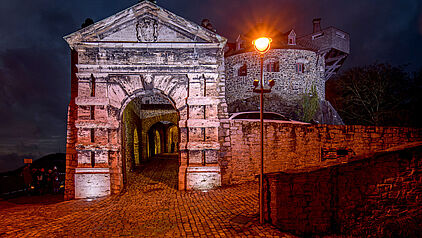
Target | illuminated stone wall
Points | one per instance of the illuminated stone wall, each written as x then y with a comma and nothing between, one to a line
131,121
295,146
290,84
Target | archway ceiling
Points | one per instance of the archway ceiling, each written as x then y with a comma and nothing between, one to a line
151,105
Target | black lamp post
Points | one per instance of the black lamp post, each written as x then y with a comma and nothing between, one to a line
262,46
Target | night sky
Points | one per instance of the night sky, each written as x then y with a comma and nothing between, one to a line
35,60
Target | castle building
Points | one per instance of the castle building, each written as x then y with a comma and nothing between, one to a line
146,82
295,63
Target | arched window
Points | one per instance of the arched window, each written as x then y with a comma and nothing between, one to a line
243,70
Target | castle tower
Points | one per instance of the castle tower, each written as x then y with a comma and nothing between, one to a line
299,66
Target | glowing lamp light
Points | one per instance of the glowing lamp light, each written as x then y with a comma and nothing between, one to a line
262,44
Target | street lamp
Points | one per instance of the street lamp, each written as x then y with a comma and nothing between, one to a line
262,46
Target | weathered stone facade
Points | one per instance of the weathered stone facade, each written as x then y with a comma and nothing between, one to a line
290,84
292,146
296,64
141,51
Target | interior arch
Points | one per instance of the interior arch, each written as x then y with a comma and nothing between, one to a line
149,131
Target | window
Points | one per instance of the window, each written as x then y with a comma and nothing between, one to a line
292,41
291,38
92,86
92,112
92,159
300,68
316,36
341,35
242,71
273,67
92,135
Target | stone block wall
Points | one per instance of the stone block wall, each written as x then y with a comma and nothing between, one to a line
131,122
72,131
289,146
379,195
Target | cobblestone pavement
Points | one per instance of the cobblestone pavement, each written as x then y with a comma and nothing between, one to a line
151,207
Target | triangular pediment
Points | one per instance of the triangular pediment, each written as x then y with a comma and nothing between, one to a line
144,22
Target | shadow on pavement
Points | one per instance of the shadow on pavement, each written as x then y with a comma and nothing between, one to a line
161,169
33,199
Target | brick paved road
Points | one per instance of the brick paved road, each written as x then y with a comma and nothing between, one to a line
151,206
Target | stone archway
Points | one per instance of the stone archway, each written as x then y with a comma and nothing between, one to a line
150,110
172,139
198,151
160,140
198,126
113,63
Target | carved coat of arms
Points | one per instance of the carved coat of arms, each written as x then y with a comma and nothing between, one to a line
147,30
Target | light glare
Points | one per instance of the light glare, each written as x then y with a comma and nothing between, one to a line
262,44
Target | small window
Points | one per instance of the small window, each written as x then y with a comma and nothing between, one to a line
92,159
243,70
92,135
92,112
291,38
341,35
292,41
300,68
273,67
108,136
92,86
316,36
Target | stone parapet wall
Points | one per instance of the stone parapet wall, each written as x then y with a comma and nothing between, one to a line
290,146
379,195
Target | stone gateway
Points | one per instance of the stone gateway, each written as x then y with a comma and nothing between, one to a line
146,82
123,68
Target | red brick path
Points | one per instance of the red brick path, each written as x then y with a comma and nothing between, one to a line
151,207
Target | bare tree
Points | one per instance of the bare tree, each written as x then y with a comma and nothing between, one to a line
370,95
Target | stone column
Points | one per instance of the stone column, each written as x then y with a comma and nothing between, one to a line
92,174
201,125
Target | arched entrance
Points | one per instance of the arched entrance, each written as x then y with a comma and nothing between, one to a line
149,126
163,138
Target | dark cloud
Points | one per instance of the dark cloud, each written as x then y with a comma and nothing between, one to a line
35,60
13,161
34,76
